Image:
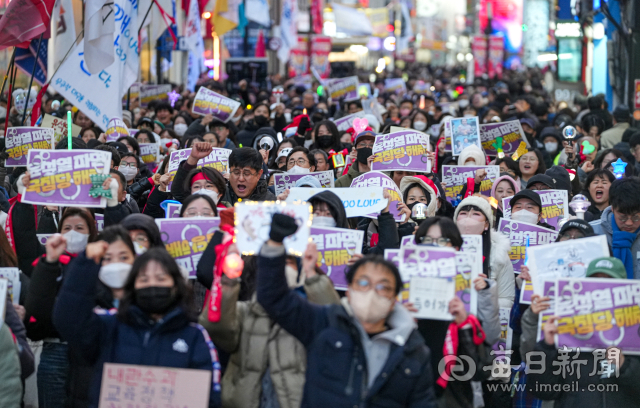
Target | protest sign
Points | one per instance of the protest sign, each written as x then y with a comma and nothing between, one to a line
186,239
555,206
125,385
596,313
253,224
173,210
358,202
395,85
511,133
59,126
396,151
151,92
568,259
12,275
393,256
422,88
3,299
218,159
518,232
62,177
116,130
42,238
379,179
446,122
431,296
335,247
407,241
346,122
464,132
99,221
500,353
472,243
19,140
283,181
208,102
149,153
455,178
340,88
549,290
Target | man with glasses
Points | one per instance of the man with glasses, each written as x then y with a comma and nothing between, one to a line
364,156
364,352
620,223
300,161
245,171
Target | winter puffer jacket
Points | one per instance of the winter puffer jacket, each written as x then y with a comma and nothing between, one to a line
10,382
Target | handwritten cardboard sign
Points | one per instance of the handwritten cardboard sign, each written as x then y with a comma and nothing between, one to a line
59,126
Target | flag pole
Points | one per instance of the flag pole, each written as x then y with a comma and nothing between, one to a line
33,72
6,75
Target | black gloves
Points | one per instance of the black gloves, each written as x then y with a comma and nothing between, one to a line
281,227
303,126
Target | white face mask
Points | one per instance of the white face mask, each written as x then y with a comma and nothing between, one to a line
76,241
298,170
525,216
139,248
128,172
550,147
470,226
180,128
463,103
369,307
419,125
210,193
114,275
470,163
326,222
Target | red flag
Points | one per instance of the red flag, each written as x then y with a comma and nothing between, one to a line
24,20
35,111
261,51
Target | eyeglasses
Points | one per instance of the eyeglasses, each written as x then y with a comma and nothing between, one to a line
382,289
442,241
364,145
141,239
531,159
624,218
301,162
195,213
245,173
129,165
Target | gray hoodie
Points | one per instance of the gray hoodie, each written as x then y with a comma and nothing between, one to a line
603,227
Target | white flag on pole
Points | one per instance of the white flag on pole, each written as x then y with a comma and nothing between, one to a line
193,40
99,26
288,29
258,11
64,29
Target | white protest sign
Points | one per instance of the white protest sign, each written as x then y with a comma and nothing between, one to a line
253,224
408,241
12,275
283,181
358,202
346,122
431,296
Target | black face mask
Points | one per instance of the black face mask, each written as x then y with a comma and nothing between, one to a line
260,120
155,299
324,141
283,167
363,154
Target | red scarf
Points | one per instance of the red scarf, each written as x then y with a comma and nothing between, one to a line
450,348
471,186
8,228
215,300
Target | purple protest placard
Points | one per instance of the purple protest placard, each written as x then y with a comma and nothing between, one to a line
62,177
596,313
173,210
402,151
455,178
408,240
510,132
394,85
393,256
116,130
555,206
149,153
208,102
346,122
549,290
99,221
379,179
186,238
153,92
518,232
335,247
218,159
283,181
346,88
19,140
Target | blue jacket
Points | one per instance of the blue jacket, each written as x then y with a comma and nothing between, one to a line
105,339
336,362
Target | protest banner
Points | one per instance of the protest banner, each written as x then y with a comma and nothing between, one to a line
186,239
342,88
59,126
393,256
116,130
173,210
431,297
567,259
555,206
549,290
12,275
407,241
511,133
395,85
208,102
596,313
218,159
464,132
19,140
346,122
335,247
379,179
253,224
151,92
396,151
126,385
518,233
149,153
358,202
283,181
62,177
455,178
